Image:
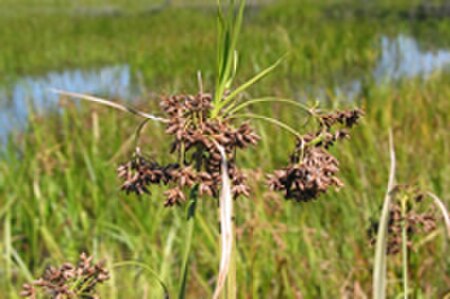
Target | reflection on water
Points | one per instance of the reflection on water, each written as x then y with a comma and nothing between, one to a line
401,57
34,92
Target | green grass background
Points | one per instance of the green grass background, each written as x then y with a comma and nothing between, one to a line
58,190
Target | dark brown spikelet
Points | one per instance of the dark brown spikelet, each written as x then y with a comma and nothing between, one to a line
312,169
307,179
348,118
174,197
137,174
69,281
239,184
196,140
244,136
28,291
186,177
207,184
416,222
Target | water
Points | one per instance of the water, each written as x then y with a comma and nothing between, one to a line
35,92
401,57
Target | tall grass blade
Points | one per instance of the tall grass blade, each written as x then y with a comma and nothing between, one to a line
168,252
253,80
244,86
228,33
8,246
149,270
379,270
23,268
188,241
6,208
226,226
404,250
51,243
232,66
234,70
221,28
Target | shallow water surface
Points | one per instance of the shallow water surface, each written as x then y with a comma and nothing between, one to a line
35,92
401,57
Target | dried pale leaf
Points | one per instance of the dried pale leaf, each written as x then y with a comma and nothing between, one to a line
108,103
379,271
226,225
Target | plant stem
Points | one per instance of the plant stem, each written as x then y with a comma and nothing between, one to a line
270,120
149,270
404,248
233,109
380,260
8,246
188,241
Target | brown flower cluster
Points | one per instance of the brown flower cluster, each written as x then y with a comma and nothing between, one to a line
313,170
139,173
196,141
415,222
305,180
347,118
69,281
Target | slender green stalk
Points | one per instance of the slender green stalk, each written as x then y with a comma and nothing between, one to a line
188,241
221,104
8,246
149,270
138,132
270,120
233,109
187,251
21,264
404,248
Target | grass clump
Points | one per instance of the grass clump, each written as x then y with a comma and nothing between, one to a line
206,139
61,195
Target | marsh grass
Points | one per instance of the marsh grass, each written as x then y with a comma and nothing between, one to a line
400,222
58,194
46,180
380,263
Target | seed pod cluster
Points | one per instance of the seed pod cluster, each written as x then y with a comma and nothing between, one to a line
69,281
415,222
347,118
306,180
138,173
312,169
196,140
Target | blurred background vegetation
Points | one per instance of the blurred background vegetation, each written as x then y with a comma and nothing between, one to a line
59,193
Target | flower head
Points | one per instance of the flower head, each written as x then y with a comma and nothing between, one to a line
69,281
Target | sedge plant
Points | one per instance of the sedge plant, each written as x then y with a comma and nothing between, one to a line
399,222
207,130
